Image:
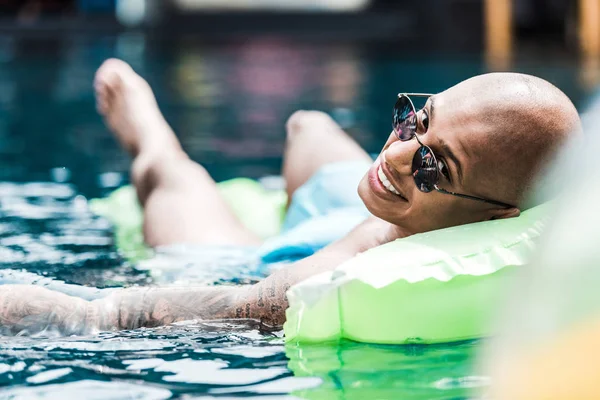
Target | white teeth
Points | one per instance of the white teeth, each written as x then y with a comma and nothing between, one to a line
386,182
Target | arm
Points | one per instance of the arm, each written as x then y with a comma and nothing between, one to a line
30,309
33,308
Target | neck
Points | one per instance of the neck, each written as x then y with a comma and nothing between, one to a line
380,232
394,232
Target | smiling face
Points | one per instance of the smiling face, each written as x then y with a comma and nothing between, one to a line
489,134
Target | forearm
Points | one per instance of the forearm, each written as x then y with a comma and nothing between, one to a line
150,307
31,309
28,309
265,301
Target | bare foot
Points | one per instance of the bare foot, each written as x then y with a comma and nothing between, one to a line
130,111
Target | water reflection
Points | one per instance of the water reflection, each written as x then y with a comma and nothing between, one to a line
363,371
234,359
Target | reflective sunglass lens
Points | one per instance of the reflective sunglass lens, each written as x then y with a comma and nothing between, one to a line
424,169
404,119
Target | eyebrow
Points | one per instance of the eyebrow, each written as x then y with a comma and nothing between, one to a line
431,109
454,159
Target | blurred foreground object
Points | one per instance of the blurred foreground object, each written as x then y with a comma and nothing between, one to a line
564,368
589,27
498,33
589,40
550,348
308,5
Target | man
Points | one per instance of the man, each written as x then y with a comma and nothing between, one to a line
469,155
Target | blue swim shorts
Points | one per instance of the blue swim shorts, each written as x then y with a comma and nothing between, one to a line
322,211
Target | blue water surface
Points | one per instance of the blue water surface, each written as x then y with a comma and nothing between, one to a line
49,237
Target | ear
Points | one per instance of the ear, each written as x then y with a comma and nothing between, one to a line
500,213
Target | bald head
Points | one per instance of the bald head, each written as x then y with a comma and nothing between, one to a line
510,126
491,135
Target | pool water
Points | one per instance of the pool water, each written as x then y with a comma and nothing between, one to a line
224,361
228,102
49,237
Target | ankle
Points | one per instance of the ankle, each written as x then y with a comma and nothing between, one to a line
161,141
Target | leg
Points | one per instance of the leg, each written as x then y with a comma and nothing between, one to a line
181,201
313,140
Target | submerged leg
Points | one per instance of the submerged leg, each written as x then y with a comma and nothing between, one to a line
313,140
180,199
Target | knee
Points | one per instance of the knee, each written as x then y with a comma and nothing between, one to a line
306,121
145,173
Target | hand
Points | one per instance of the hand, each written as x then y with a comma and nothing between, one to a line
28,310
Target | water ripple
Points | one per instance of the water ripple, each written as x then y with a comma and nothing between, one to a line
48,237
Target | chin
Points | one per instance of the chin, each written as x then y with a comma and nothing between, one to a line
374,204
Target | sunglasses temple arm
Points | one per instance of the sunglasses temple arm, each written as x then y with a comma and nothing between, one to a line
417,94
466,196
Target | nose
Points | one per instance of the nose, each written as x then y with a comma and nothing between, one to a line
399,156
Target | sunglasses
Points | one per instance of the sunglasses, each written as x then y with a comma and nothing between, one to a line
425,168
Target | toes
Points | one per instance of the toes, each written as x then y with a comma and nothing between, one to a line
114,65
107,82
110,73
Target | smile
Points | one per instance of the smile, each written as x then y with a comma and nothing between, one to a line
386,182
